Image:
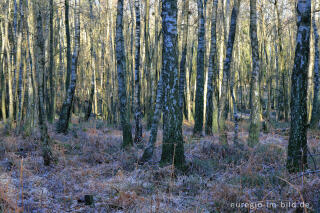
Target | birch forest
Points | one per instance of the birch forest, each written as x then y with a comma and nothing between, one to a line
159,106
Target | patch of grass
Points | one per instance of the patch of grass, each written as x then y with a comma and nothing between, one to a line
279,125
248,180
192,184
204,166
269,154
100,124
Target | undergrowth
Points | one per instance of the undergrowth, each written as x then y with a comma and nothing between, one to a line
90,161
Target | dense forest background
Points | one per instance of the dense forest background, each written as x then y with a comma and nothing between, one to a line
161,106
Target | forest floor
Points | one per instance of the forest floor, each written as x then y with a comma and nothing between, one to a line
89,161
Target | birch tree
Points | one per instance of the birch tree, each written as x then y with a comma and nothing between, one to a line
148,152
183,67
121,70
212,74
315,117
172,142
226,74
68,40
92,63
254,129
40,70
65,114
51,103
199,105
297,147
138,113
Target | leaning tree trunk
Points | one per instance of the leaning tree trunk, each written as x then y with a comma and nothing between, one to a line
148,152
211,72
315,116
172,145
40,69
297,147
254,129
226,74
121,69
138,113
65,114
198,118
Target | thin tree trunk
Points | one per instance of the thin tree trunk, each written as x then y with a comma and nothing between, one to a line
51,68
92,90
148,152
254,129
147,70
297,147
185,23
121,70
69,57
212,73
235,111
138,113
2,75
89,107
65,114
199,105
9,67
315,117
281,93
226,74
188,83
40,69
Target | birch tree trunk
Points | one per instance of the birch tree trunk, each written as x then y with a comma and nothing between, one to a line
212,73
9,66
148,152
147,70
297,147
315,117
137,90
121,70
93,88
2,76
51,68
183,67
172,145
199,105
226,74
254,129
65,114
69,57
40,70
281,92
